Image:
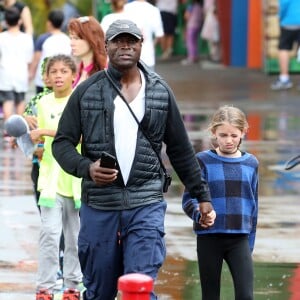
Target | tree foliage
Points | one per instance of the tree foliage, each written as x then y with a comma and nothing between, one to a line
41,8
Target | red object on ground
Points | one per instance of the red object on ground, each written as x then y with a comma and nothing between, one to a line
294,284
135,286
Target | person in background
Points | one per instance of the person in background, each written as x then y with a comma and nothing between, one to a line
30,115
16,52
123,208
168,11
289,19
25,15
232,176
70,11
87,44
148,19
193,16
53,42
118,12
59,198
211,31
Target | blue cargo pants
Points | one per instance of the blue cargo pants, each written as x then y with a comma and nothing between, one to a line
113,243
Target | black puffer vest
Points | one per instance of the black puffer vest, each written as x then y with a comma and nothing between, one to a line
144,185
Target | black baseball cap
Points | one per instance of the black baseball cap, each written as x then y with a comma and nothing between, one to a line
123,26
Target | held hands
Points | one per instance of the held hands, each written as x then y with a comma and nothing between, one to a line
208,214
102,176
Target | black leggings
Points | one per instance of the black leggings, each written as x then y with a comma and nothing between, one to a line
234,249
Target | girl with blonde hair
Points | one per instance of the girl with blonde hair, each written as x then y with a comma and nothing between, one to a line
232,177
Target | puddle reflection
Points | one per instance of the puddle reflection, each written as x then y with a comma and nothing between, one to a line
179,280
14,172
273,137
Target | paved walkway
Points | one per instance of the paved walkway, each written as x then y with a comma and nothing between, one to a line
196,89
202,90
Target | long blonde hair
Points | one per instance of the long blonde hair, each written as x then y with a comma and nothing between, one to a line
229,114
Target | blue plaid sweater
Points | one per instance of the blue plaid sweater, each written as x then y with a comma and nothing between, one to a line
233,184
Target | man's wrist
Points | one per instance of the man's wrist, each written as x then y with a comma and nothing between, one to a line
203,199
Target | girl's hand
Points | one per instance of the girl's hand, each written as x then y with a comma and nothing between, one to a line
209,219
35,136
31,121
13,142
39,153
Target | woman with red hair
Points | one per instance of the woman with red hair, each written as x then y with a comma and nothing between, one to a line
87,43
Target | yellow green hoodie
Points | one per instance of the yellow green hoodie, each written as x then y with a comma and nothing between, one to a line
52,179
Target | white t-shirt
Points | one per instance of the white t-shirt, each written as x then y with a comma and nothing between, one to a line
147,17
110,18
16,53
167,5
126,128
53,45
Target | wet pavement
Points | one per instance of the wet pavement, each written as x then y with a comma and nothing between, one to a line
273,138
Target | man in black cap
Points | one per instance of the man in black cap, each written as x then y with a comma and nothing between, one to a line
123,208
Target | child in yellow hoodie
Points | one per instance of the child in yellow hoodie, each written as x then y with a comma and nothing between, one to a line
59,199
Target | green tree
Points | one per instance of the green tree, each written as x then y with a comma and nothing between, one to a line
41,8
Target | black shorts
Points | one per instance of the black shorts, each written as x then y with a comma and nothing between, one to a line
288,37
169,21
12,96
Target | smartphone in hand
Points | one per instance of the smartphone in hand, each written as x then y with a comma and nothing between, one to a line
107,160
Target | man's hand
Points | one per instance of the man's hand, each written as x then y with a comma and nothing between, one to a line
208,215
102,176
